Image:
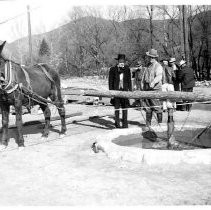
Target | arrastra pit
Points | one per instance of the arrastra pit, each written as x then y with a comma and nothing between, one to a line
116,151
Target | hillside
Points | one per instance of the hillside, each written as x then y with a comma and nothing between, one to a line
88,45
20,46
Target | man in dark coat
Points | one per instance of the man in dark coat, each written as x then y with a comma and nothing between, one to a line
120,79
186,77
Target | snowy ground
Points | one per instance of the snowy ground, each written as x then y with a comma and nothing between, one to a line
67,172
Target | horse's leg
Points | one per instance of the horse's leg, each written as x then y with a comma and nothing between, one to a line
19,123
57,97
5,108
47,115
61,111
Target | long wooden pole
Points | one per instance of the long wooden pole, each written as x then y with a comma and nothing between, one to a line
186,34
182,47
172,95
29,33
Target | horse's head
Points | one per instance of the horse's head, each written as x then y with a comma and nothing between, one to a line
2,66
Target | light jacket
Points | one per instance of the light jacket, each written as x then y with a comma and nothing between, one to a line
153,76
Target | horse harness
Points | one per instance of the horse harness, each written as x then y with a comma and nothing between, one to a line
10,85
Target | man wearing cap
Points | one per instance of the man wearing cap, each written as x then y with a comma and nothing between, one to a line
153,82
139,75
186,77
167,80
172,64
120,79
139,80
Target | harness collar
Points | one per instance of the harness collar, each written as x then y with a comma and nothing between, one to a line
9,83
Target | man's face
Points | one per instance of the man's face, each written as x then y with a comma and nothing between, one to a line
171,64
152,60
165,63
121,63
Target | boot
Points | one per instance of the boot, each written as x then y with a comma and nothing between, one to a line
160,117
117,121
124,119
148,118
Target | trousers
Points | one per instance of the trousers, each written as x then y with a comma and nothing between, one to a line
168,104
121,103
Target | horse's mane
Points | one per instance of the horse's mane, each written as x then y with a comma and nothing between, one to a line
8,54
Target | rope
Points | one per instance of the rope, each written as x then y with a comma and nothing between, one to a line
38,101
144,107
54,139
175,129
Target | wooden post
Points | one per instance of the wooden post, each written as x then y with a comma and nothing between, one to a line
182,47
170,127
29,34
187,53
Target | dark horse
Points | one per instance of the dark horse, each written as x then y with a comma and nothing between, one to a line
39,79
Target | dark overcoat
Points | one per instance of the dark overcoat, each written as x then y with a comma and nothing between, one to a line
114,78
186,77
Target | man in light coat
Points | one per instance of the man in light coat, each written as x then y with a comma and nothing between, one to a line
153,82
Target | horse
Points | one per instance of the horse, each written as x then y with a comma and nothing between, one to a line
41,80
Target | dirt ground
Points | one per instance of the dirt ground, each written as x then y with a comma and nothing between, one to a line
67,172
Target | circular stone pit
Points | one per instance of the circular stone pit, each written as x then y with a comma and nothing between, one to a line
135,153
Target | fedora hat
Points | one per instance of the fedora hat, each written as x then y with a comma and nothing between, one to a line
152,53
172,60
120,56
182,62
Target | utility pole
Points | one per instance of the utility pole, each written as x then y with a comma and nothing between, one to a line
186,44
165,38
184,33
181,31
29,34
151,25
150,12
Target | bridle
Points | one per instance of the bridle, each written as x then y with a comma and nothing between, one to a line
8,84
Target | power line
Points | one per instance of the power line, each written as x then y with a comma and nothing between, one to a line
19,15
12,18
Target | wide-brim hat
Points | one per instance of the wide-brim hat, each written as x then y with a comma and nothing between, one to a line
172,60
182,62
120,56
152,53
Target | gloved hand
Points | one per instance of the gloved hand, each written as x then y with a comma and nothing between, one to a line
152,84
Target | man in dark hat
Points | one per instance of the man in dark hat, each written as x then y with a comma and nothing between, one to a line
120,79
186,77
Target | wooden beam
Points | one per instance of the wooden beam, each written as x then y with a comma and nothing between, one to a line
172,95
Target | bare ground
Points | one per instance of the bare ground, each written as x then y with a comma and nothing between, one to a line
67,172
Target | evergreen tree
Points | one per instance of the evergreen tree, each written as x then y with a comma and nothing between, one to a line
44,49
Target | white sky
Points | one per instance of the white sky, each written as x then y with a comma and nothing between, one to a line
52,13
